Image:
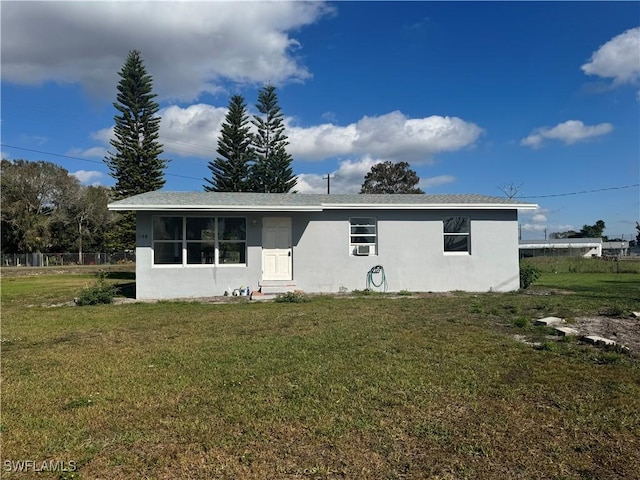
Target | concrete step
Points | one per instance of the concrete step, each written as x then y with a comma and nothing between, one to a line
550,321
599,341
273,287
566,331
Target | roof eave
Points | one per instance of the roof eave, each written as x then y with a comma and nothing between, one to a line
209,208
325,206
430,206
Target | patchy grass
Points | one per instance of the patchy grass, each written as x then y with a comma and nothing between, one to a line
369,387
583,265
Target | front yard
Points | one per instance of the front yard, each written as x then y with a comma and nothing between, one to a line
368,387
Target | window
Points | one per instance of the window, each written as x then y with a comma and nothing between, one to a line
167,240
199,240
232,240
363,236
457,234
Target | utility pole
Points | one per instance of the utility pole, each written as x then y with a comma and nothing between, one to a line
328,179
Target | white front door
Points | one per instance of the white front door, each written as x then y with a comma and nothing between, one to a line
276,248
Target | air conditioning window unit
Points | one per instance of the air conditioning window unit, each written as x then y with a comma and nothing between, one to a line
363,249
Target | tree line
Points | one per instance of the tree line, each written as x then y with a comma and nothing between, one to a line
44,208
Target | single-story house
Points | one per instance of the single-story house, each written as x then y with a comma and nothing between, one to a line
199,244
561,247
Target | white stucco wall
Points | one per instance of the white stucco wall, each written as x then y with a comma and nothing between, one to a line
410,248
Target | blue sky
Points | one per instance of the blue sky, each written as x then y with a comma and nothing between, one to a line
545,96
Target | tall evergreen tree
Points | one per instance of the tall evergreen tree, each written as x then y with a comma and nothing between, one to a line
271,172
135,163
230,171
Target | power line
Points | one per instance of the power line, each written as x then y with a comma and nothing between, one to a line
76,119
579,193
83,159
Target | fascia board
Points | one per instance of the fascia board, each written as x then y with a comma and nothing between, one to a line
214,208
430,206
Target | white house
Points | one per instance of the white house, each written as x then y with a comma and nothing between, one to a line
199,244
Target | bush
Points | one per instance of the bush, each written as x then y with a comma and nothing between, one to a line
521,322
100,293
291,297
528,275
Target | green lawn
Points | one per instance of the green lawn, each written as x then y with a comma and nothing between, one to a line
371,387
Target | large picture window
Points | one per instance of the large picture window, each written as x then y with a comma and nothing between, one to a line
457,234
199,240
363,236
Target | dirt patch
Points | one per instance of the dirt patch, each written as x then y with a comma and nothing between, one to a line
624,331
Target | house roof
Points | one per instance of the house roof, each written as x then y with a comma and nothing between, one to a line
208,201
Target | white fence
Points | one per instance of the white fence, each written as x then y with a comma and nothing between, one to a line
59,259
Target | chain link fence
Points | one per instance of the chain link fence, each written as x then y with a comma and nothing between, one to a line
60,259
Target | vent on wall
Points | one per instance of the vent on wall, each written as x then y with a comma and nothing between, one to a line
362,249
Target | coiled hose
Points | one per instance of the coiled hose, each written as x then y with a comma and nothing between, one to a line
371,282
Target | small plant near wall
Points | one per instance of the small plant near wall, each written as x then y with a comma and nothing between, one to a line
528,275
99,293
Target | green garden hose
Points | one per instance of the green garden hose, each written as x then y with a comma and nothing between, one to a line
371,282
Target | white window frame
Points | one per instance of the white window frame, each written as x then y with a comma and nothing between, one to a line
183,242
446,234
373,245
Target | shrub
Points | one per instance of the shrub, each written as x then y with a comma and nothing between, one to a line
521,322
528,275
291,297
100,293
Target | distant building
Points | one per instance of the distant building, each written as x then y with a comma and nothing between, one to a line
563,247
619,249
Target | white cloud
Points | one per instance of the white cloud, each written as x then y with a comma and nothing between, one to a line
188,47
193,131
347,178
391,136
427,183
619,58
534,220
88,176
569,132
93,152
103,135
538,221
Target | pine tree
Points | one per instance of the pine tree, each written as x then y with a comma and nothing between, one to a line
271,172
230,171
134,164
